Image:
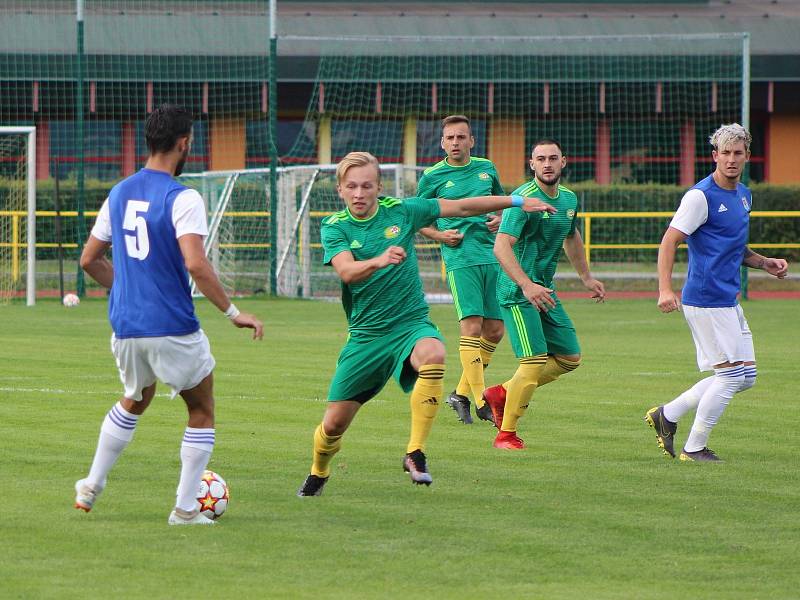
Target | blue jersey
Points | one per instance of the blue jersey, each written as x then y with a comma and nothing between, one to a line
150,296
716,248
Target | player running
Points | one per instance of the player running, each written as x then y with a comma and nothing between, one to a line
157,226
370,244
467,244
714,218
541,332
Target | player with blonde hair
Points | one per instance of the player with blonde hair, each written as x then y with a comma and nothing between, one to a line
714,219
370,245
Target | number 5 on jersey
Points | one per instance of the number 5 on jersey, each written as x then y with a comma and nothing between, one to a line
137,243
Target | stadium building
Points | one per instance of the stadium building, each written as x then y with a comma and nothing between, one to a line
214,57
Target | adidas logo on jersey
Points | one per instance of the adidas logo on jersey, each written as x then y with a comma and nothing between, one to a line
449,184
722,208
355,244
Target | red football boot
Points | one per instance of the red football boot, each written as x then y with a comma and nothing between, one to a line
508,440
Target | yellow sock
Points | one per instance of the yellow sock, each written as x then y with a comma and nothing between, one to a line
521,388
555,367
469,351
487,349
425,400
463,389
325,446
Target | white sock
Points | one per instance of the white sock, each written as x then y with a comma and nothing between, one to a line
115,434
195,451
750,374
687,401
726,383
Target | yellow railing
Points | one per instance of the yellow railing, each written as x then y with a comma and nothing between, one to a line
16,244
589,246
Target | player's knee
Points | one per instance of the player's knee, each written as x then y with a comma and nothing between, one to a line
569,362
492,330
750,374
471,326
433,354
334,425
434,358
730,379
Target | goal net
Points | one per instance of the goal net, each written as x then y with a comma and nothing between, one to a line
239,244
17,214
633,114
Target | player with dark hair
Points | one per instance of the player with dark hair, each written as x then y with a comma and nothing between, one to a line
714,219
157,227
472,270
370,245
528,247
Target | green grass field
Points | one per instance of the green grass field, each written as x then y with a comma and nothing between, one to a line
590,510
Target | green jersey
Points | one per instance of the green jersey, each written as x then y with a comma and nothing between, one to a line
391,297
477,178
540,237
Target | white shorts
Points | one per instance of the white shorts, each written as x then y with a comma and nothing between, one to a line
181,362
720,335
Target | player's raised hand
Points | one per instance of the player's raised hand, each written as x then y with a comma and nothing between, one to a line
393,255
451,237
539,296
493,222
668,301
536,205
246,320
777,267
597,288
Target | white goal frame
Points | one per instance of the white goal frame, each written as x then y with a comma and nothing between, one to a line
292,272
30,172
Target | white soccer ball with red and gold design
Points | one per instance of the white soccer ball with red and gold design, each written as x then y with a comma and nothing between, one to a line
212,497
70,300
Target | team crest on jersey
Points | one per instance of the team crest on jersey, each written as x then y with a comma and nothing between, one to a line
391,232
483,176
570,213
745,203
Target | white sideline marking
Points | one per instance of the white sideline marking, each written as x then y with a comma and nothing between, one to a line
117,392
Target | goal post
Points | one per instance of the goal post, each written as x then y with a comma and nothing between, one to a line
19,201
239,244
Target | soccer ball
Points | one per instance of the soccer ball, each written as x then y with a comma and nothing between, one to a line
212,496
71,300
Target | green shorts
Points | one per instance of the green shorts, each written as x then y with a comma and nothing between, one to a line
532,332
364,366
474,291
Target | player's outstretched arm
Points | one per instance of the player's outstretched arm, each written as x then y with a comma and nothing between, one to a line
777,267
539,296
575,251
351,270
95,263
480,205
667,299
202,272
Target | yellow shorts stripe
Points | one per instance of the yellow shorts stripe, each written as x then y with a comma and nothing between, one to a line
522,331
454,292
